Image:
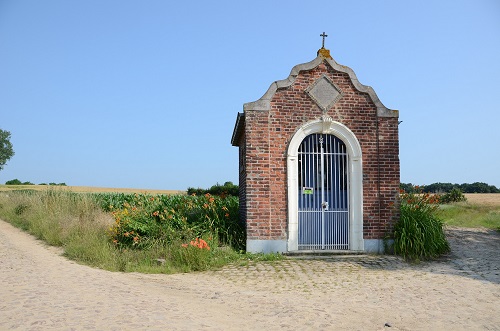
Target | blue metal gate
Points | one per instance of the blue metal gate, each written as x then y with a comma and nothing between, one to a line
323,193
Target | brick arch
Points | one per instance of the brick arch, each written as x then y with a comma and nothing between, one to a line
328,126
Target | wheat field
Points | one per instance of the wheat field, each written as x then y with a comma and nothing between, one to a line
88,189
489,199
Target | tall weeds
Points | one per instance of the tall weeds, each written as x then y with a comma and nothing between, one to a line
70,220
78,223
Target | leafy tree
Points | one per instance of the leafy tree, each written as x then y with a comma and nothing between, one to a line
439,187
17,182
6,151
13,182
449,187
228,189
479,188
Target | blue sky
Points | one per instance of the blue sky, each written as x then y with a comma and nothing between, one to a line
144,94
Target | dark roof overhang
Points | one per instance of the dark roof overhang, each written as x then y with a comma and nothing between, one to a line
239,126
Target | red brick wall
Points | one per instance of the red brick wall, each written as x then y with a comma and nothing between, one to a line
264,147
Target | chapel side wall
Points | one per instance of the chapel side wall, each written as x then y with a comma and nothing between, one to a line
258,214
242,180
390,174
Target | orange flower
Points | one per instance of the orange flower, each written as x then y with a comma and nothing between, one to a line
156,213
184,245
200,243
227,215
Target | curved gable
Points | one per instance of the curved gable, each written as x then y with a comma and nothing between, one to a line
264,103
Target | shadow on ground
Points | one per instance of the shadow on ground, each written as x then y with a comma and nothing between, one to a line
475,253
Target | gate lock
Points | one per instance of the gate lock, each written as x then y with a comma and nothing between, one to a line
324,205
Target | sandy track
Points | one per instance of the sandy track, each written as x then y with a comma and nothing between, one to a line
44,291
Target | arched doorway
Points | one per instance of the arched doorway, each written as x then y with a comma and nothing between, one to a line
323,193
325,201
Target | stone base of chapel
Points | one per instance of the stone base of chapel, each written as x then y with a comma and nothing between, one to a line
374,246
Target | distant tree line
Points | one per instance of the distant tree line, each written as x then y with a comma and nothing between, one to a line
441,188
476,187
18,182
227,189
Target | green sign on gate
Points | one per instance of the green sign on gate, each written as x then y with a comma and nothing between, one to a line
307,190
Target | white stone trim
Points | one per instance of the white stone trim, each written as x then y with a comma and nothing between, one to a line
376,246
266,246
328,126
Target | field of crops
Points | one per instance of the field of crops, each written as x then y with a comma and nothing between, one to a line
488,199
88,189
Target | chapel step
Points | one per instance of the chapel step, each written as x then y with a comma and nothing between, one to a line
316,253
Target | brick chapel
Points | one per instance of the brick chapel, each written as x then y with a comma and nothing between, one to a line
318,163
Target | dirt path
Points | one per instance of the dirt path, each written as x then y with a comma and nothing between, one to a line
44,291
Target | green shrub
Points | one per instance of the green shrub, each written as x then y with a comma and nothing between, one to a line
20,209
419,234
143,219
455,195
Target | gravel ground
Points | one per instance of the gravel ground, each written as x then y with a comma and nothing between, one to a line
43,291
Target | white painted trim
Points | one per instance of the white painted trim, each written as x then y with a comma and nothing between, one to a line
326,125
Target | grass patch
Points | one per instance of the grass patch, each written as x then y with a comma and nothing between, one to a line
77,223
470,215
